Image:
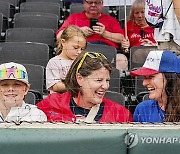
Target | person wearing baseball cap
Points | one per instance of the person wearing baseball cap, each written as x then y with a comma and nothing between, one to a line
161,72
14,85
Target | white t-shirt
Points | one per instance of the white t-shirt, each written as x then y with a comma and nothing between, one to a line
56,70
170,25
153,11
27,112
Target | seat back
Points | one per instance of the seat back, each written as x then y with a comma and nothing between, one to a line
36,78
78,8
30,98
116,97
22,52
115,81
143,95
146,97
121,11
1,24
8,12
12,2
109,51
52,1
5,9
137,58
36,20
40,35
138,55
46,7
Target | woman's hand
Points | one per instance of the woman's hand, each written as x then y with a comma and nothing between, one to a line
147,42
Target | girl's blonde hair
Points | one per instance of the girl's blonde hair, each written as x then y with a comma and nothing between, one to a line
67,34
137,5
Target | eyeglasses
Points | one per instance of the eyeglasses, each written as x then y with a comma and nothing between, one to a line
16,73
91,55
95,3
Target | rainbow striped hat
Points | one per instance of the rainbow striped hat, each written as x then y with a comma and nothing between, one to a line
13,71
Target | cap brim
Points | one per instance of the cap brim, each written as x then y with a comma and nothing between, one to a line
27,83
143,72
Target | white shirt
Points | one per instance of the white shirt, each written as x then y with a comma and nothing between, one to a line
170,26
27,112
56,70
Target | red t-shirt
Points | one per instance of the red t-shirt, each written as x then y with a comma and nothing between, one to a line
134,34
81,20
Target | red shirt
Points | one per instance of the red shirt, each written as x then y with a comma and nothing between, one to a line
133,32
81,20
57,108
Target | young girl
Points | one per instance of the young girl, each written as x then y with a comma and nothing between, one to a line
70,44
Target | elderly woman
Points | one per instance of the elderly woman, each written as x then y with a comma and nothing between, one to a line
87,82
139,32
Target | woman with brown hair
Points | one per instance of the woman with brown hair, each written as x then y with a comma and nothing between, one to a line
161,73
87,82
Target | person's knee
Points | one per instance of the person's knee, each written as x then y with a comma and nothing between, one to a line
121,62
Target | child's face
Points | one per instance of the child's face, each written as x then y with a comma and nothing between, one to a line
12,93
73,47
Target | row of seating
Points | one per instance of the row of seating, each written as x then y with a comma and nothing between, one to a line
32,26
38,54
57,7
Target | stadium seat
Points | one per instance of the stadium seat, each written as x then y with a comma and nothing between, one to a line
46,7
36,20
137,58
40,35
109,51
115,81
116,97
121,11
52,1
8,11
36,79
143,95
24,52
78,7
30,98
1,25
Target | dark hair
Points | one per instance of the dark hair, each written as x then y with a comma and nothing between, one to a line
88,66
172,111
67,34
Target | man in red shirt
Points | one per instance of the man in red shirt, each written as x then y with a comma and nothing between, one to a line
106,31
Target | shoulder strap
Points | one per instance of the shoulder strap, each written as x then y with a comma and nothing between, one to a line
92,114
167,9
